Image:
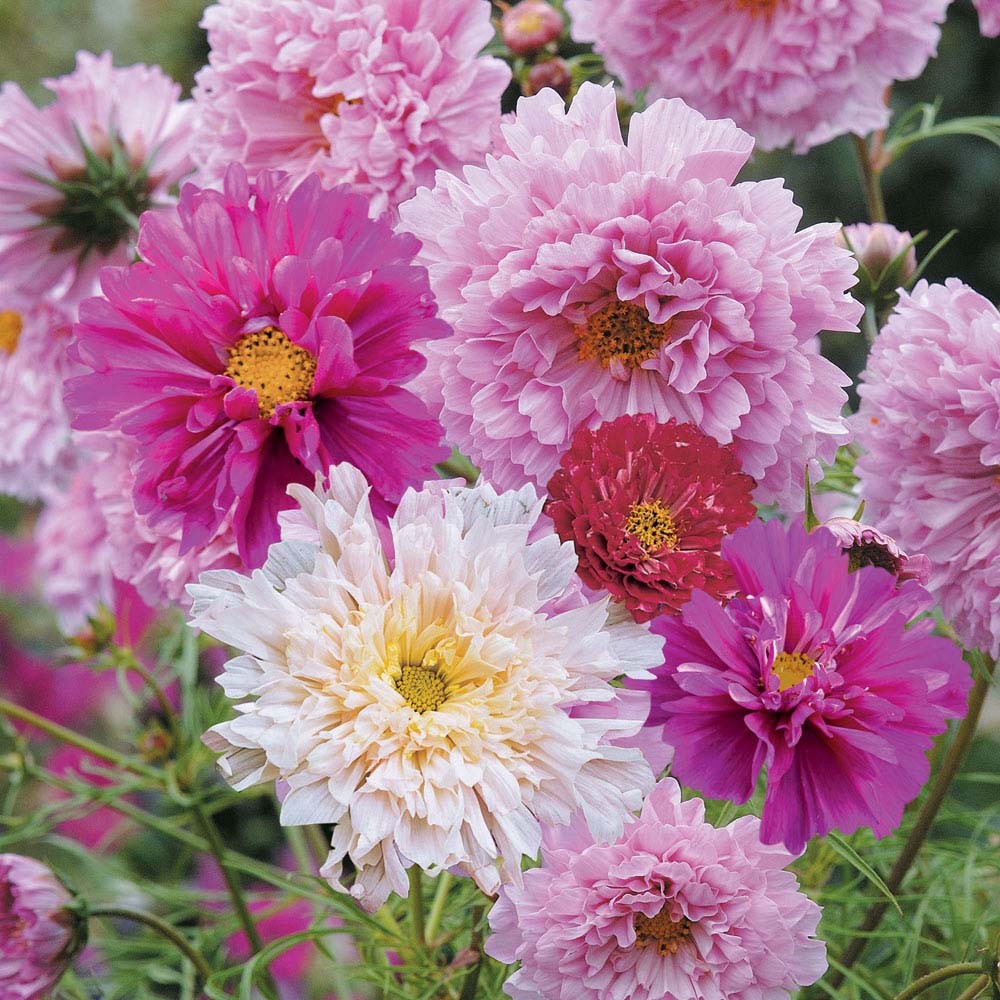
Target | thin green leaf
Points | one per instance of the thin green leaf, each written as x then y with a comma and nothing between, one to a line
851,856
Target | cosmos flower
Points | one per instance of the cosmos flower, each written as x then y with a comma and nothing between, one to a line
432,704
929,429
675,909
814,672
785,70
265,335
646,506
76,174
147,557
39,934
377,94
34,426
587,278
867,546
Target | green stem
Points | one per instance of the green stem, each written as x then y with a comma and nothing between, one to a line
417,906
476,944
975,988
939,976
437,907
65,735
161,928
870,180
137,667
216,847
925,818
318,844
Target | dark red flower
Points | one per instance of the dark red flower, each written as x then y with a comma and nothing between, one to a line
647,505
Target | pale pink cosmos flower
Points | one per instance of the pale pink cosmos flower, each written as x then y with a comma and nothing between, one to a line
121,131
438,701
674,909
378,94
587,277
35,454
39,934
788,71
929,429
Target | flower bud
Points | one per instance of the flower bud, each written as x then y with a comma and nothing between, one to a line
867,546
554,73
529,26
877,246
40,933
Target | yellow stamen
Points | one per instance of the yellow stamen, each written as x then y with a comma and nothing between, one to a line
11,325
622,332
792,669
668,935
278,370
422,688
757,8
650,522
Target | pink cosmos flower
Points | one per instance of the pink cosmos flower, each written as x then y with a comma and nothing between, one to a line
785,70
74,553
148,557
39,935
119,132
646,506
816,673
378,94
34,426
587,278
867,546
530,25
675,909
264,336
877,246
929,427
989,17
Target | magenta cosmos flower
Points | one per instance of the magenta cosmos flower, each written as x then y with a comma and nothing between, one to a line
39,934
817,673
264,336
801,71
587,278
646,506
379,94
675,909
929,427
76,174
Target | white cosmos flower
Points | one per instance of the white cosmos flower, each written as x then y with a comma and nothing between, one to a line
437,703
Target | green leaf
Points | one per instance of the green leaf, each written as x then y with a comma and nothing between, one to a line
851,856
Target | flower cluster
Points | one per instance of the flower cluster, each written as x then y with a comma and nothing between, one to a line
487,444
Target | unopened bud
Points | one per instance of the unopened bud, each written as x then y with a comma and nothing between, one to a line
529,26
554,73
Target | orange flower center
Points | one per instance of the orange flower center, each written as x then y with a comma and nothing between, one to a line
792,669
667,935
11,325
622,332
650,522
276,369
758,8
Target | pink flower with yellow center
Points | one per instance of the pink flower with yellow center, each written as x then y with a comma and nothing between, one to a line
266,333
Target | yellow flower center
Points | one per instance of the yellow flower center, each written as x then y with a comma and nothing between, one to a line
276,369
792,669
650,522
11,326
530,22
666,934
422,688
622,332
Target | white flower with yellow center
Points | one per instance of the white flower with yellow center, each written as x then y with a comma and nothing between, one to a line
438,704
